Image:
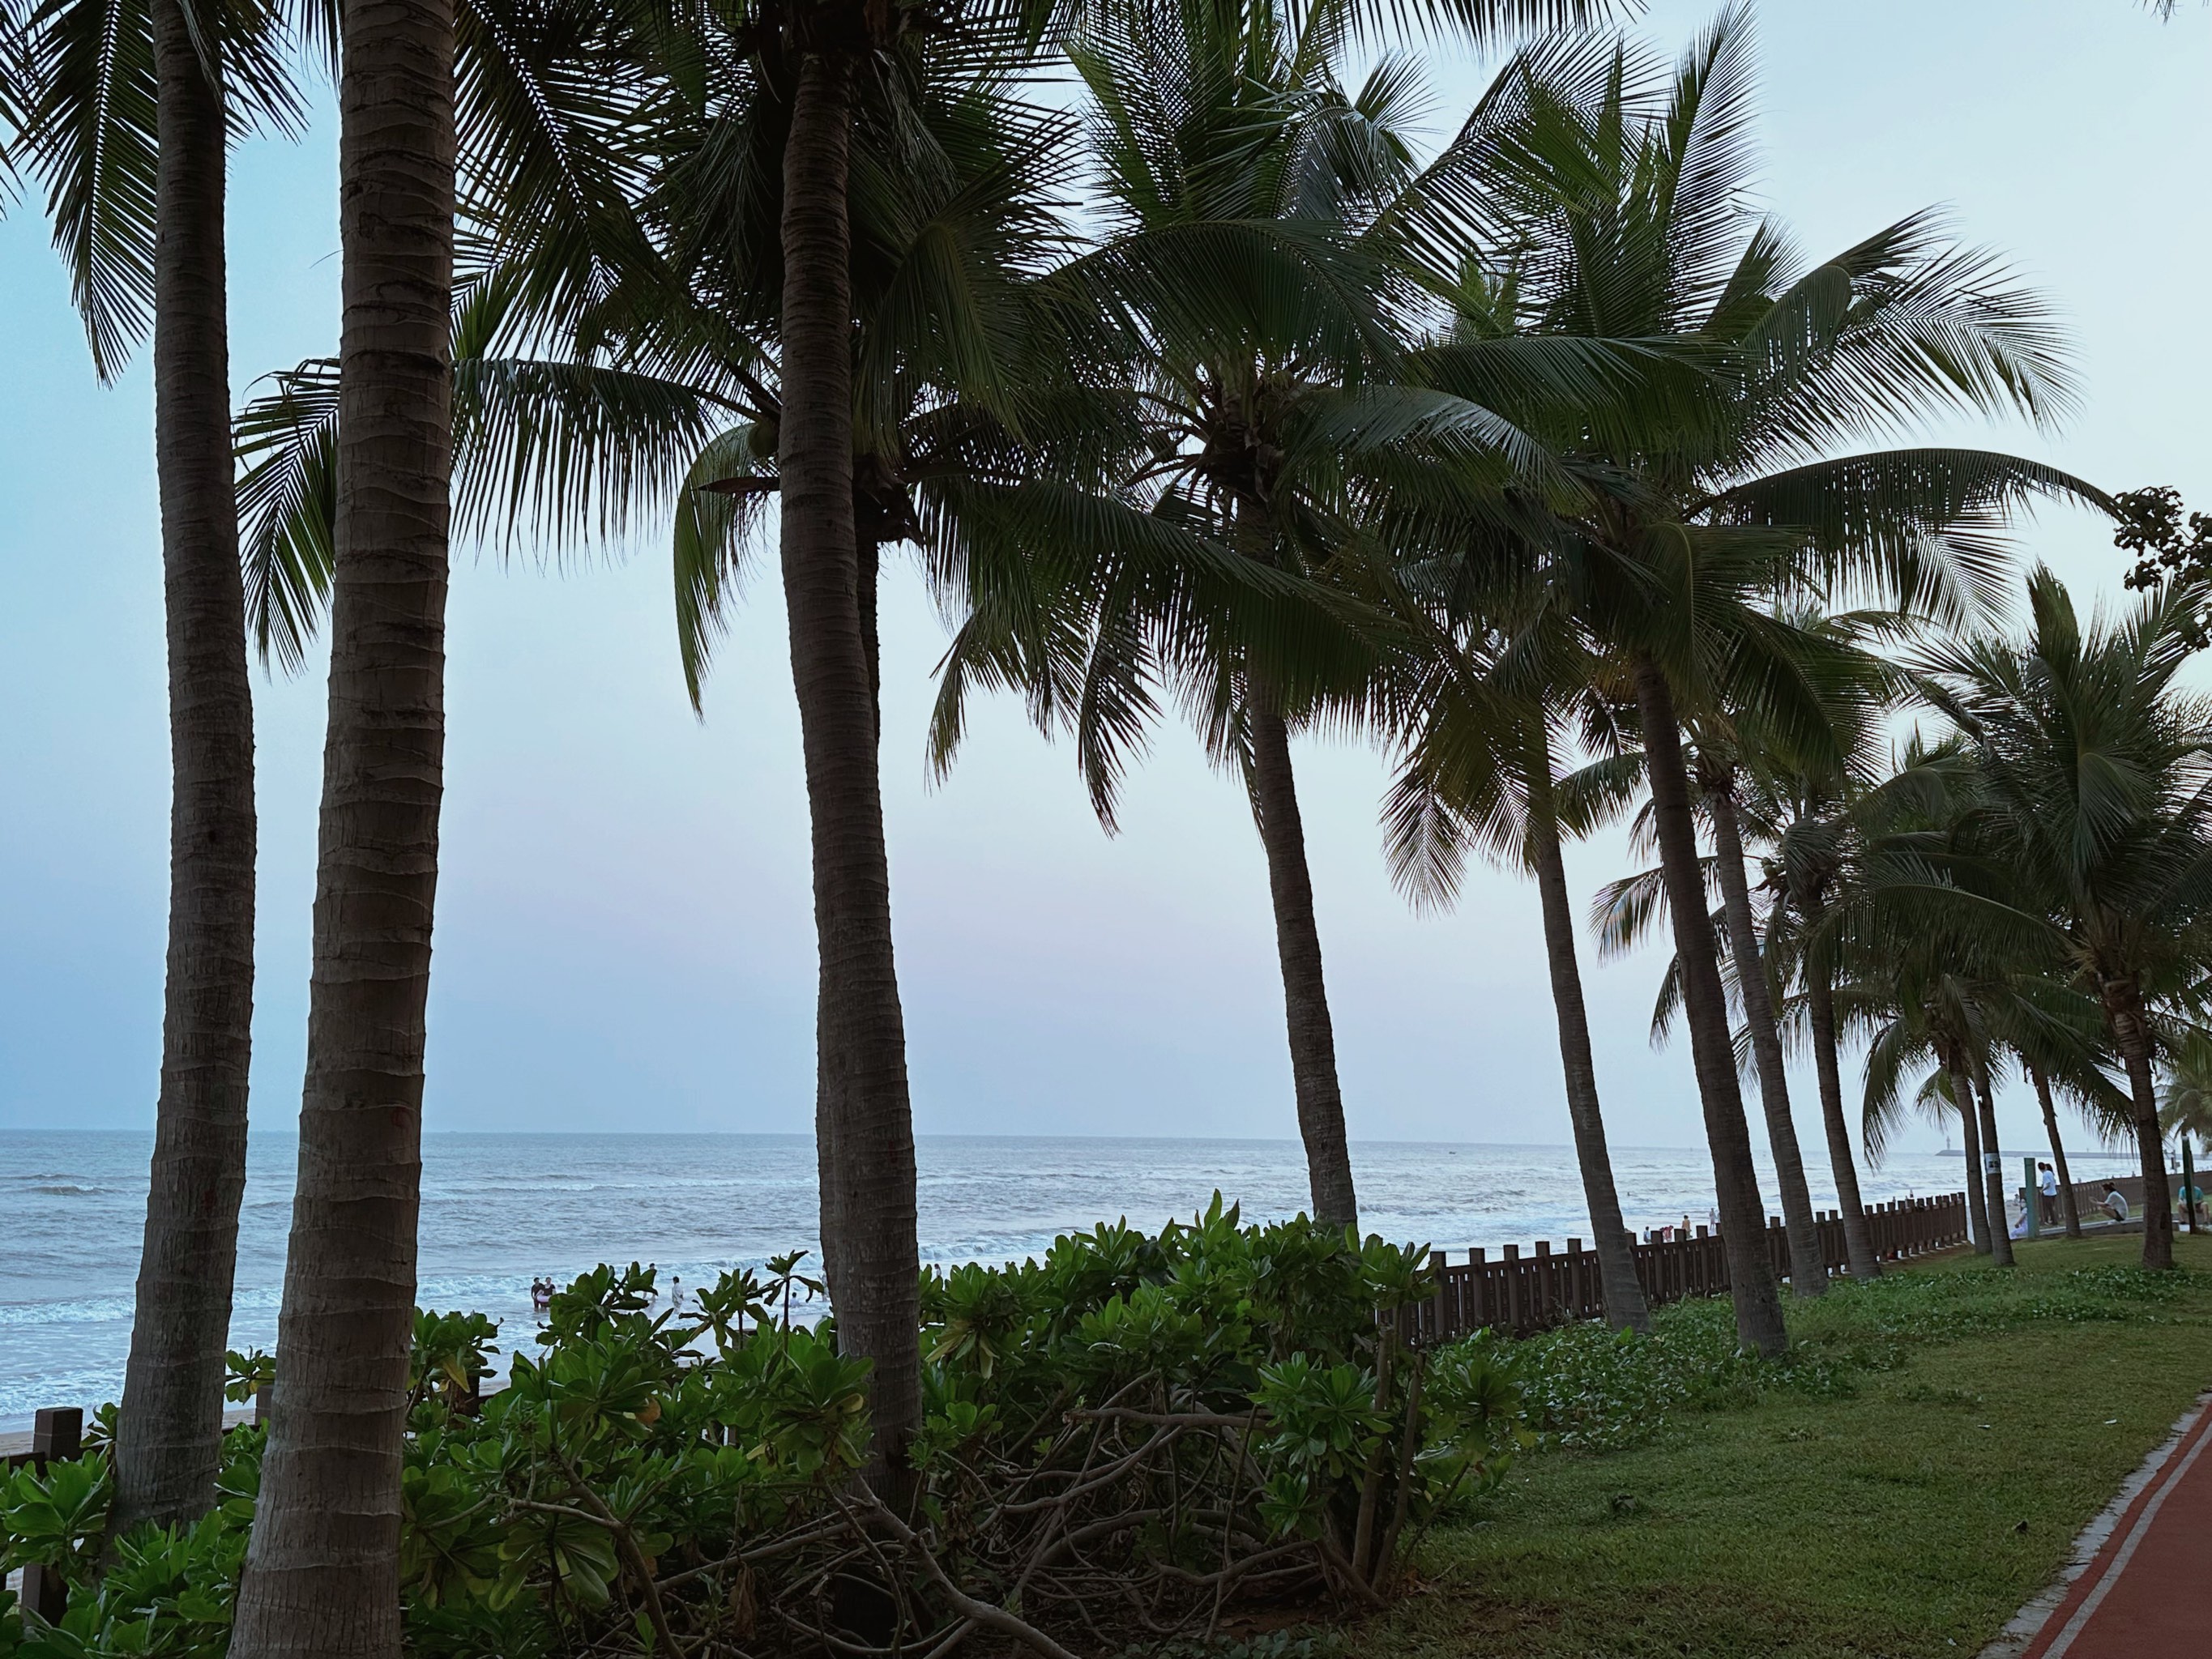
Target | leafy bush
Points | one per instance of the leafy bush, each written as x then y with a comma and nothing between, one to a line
1587,1389
1164,1423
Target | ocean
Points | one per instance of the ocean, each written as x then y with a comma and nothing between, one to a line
499,1210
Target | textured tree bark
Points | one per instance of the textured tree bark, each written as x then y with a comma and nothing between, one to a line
168,1439
1736,1181
1993,1194
1821,1010
864,1125
2068,1204
1809,1269
2124,1018
1962,1097
868,557
1626,1308
1297,944
322,1570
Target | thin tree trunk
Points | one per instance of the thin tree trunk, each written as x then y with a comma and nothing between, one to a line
1821,1010
168,1439
1626,1308
2068,1204
1808,1267
1297,943
2124,1018
1962,1097
322,1569
864,1122
1993,1180
1736,1181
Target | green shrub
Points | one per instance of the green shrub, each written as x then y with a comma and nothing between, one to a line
1185,1419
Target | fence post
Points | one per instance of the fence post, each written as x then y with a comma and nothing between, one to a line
1514,1301
1478,1287
1443,1332
57,1437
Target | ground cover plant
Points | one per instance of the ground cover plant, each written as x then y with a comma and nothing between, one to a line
1900,1485
1124,1442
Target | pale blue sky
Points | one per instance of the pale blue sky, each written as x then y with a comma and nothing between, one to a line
624,933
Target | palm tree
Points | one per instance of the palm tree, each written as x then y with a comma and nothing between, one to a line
125,115
1262,221
1727,496
663,396
1478,772
1626,910
321,1574
2096,772
1810,848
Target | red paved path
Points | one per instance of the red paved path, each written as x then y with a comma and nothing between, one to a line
2148,1594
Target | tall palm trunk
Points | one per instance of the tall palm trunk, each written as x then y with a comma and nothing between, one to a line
322,1570
1625,1305
168,1437
2068,1205
1297,943
1962,1097
1736,1181
1808,1267
1821,1010
864,1123
2124,1018
1993,1182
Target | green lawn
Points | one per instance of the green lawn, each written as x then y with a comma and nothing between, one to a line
1920,1479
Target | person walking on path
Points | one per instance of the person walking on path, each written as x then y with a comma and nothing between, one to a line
2046,1180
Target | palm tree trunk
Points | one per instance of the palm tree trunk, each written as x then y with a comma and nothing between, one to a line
864,1121
867,577
1736,1181
2124,1018
1993,1183
1962,1097
1821,1010
1297,944
1626,1308
168,1437
322,1568
2068,1204
1808,1267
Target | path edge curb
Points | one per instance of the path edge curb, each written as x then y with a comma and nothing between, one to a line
2028,1622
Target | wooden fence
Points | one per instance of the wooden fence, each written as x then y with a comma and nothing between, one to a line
1520,1294
56,1436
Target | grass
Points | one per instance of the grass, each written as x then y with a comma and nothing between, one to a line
1900,1488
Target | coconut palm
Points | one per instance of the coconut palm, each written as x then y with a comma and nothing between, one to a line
660,402
322,1566
1632,224
1626,910
124,115
1478,774
1259,220
2185,1101
1809,844
2096,773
